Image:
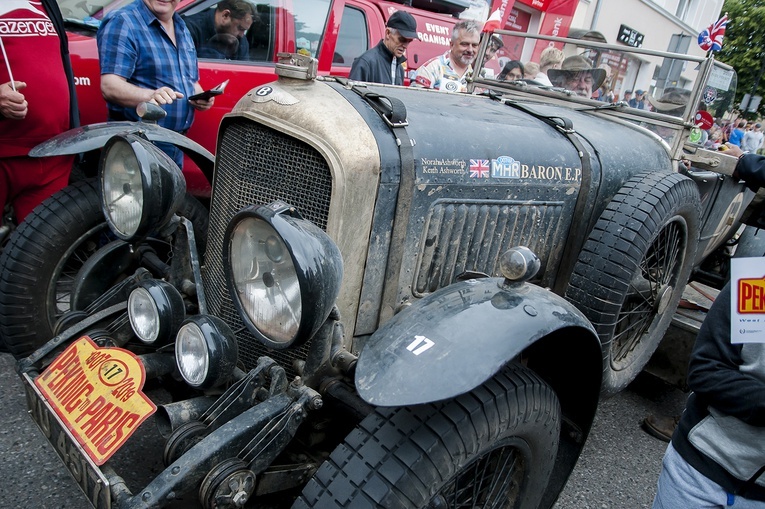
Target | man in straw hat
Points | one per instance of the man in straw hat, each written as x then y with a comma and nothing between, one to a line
672,102
578,75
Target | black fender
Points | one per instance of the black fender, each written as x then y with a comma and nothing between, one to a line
94,136
456,338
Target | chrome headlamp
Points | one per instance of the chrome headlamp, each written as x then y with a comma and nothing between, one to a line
284,273
205,351
141,186
155,310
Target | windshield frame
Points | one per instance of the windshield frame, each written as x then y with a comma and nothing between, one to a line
553,95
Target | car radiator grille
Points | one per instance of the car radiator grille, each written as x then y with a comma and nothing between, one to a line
462,236
257,165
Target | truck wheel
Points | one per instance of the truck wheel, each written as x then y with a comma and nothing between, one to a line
43,256
492,447
630,275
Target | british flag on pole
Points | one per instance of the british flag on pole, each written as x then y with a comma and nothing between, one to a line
710,39
479,168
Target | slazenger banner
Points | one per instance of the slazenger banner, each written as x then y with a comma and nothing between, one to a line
556,22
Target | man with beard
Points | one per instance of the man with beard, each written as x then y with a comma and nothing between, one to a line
577,75
383,63
219,33
451,70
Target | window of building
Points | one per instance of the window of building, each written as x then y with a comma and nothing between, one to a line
687,10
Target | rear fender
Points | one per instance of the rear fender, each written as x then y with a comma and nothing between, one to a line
458,337
94,136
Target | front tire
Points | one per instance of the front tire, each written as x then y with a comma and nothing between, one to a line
40,264
630,275
492,447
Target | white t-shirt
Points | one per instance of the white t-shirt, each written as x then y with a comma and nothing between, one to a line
752,141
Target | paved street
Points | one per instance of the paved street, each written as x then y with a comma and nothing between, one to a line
618,469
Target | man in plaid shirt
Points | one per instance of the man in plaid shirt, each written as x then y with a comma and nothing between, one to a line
147,55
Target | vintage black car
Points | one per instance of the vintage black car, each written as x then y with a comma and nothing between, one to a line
402,297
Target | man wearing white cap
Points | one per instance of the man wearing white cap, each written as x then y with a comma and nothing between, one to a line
382,64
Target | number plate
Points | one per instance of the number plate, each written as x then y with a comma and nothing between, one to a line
86,474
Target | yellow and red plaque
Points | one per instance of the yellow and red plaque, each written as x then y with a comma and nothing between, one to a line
97,394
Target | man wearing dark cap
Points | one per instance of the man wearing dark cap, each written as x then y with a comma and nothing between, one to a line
638,101
577,74
382,64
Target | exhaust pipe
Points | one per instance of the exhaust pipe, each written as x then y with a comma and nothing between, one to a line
172,415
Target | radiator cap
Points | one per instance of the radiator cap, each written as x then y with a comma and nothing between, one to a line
296,65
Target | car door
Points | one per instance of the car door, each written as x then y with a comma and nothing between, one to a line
360,27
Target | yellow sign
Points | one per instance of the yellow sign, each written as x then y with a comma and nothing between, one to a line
97,393
751,295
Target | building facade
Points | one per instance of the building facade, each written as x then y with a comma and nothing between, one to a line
666,25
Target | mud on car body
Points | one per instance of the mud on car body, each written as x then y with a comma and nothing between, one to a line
402,297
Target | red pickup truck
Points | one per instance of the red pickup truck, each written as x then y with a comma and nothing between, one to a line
332,31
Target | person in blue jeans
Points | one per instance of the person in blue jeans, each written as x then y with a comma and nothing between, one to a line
716,457
717,454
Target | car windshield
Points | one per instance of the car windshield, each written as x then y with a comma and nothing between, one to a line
667,93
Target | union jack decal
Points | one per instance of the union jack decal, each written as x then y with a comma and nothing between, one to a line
479,168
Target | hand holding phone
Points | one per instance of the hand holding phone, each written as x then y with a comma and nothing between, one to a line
207,94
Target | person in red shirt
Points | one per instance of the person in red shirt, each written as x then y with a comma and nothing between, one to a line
37,101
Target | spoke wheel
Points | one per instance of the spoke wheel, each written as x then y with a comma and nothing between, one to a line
40,266
630,275
650,294
65,272
491,481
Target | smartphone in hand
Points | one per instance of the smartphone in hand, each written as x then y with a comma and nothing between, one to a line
207,94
